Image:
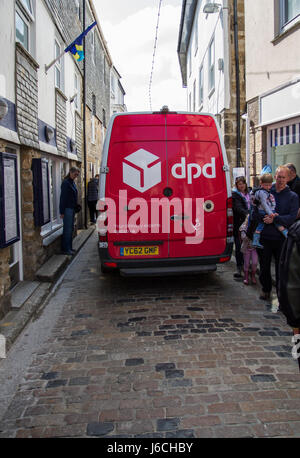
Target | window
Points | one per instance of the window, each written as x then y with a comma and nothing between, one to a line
289,13
24,24
57,170
93,132
93,46
211,65
77,5
58,66
201,86
196,35
77,91
112,85
94,107
22,30
28,6
194,96
190,60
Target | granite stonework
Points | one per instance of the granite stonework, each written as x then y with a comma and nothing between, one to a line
27,97
31,140
257,142
61,122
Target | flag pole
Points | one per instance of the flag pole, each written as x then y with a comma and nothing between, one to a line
47,67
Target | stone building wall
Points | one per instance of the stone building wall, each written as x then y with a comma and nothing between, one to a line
94,153
61,122
257,142
27,98
33,254
229,117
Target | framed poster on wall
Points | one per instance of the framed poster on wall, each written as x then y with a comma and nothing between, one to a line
40,171
9,203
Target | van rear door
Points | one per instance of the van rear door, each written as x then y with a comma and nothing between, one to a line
137,172
195,166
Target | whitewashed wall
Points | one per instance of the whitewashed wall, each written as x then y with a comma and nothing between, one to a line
7,61
209,25
269,63
46,34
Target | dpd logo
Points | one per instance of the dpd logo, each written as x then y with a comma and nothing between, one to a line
141,170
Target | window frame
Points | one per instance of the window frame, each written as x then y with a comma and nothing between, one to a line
196,36
190,59
29,21
211,65
201,86
283,23
194,95
55,220
77,90
26,11
59,66
77,5
27,25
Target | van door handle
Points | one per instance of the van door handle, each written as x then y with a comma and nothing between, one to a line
179,217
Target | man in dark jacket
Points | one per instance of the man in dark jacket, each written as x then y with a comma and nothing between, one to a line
287,206
294,182
67,206
92,197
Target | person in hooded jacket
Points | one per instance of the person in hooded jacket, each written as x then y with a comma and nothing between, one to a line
92,197
240,207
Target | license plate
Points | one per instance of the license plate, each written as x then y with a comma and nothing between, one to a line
139,251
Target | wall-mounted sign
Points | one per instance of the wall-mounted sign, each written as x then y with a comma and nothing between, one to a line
9,204
41,191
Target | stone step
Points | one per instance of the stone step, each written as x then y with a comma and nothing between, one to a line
50,271
22,292
15,321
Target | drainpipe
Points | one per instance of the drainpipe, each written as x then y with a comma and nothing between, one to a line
84,119
245,117
237,71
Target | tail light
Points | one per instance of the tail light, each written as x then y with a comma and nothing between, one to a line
229,234
110,264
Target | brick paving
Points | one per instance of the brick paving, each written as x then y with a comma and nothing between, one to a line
164,357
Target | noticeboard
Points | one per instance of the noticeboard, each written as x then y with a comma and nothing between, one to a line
9,201
41,191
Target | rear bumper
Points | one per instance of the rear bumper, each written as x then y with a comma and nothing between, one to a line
165,266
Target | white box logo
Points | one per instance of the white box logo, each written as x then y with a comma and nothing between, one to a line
2,346
142,170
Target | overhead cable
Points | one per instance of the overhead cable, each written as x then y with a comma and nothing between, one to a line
153,58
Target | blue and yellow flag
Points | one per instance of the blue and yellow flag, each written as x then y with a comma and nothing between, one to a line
76,47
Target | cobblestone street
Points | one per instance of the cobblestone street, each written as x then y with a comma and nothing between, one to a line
158,357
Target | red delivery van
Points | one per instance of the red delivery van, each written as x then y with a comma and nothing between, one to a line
165,202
